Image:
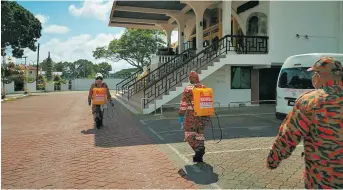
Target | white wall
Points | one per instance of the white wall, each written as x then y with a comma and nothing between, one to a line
263,7
84,84
49,87
31,87
64,87
220,82
318,19
9,88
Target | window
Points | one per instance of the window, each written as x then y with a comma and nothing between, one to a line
240,77
253,26
295,78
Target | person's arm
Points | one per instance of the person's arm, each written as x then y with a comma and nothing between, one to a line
109,97
90,93
292,130
184,101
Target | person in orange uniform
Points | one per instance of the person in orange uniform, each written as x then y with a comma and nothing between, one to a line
317,118
98,84
193,126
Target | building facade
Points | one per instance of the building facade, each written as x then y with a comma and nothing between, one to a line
260,35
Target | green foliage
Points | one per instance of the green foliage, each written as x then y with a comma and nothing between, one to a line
49,68
103,68
136,46
125,72
41,82
57,78
19,28
30,79
82,68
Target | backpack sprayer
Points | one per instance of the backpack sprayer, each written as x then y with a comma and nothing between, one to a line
204,106
100,98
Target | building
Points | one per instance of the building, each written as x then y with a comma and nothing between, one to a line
31,71
239,46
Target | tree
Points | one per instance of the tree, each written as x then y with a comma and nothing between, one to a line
136,46
19,28
83,68
104,68
49,68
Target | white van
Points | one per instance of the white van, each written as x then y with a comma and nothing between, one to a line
294,80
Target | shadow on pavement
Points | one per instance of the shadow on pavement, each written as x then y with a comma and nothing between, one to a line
200,173
122,128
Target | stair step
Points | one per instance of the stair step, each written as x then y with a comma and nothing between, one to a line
135,105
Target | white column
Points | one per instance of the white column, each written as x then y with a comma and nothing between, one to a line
226,18
181,34
180,19
199,8
199,31
168,29
341,27
168,33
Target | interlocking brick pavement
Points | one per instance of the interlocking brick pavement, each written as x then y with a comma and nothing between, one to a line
48,142
239,159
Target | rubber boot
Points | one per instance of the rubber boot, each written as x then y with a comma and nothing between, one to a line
198,157
97,123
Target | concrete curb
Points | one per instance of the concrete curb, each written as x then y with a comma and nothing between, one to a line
15,97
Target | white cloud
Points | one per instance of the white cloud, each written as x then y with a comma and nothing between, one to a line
43,19
77,47
52,29
98,9
56,29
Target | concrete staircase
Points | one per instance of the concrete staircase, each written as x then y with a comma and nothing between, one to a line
204,72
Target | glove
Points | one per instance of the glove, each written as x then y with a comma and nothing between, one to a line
89,102
180,119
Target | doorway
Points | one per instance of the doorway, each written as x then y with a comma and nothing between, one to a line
267,82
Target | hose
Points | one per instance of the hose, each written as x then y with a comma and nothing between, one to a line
221,132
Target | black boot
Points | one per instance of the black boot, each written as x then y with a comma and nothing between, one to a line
198,157
97,123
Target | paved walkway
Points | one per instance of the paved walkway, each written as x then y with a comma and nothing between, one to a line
49,142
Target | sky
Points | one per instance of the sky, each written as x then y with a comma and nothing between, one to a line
73,29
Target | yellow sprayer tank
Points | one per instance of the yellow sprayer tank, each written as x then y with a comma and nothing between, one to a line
99,96
203,101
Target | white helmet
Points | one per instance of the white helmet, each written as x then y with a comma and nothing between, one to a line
98,75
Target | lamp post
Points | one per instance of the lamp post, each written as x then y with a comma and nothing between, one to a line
37,67
3,94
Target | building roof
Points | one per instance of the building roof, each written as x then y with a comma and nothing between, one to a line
145,14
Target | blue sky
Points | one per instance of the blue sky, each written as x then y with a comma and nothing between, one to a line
58,14
73,29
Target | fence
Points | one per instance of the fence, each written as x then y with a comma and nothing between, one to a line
84,84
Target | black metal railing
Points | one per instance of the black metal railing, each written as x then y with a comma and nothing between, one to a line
241,44
127,81
188,45
155,75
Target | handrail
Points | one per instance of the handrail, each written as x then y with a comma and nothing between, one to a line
156,73
245,45
187,61
127,78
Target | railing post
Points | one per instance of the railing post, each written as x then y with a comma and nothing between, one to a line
226,45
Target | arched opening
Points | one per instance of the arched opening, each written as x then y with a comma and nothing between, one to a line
252,26
257,24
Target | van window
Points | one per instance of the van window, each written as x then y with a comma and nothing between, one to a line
295,78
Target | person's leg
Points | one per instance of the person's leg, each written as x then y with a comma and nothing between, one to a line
101,117
199,151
